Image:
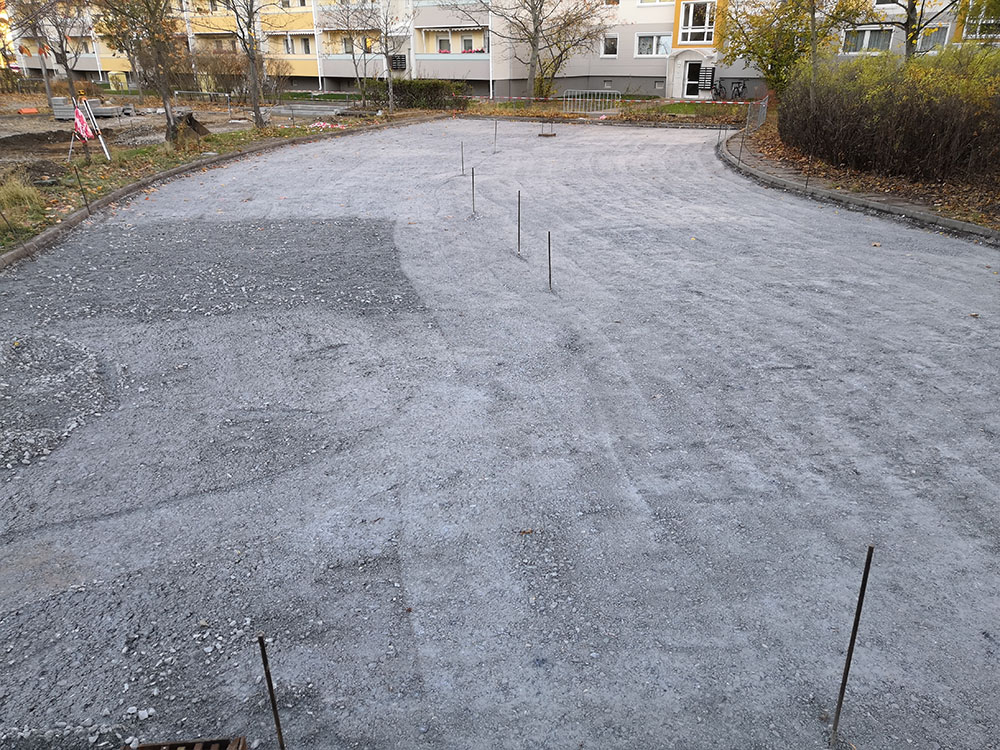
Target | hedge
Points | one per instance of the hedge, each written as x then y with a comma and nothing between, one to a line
420,93
933,117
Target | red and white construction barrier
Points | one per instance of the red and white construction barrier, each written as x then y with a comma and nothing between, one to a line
621,101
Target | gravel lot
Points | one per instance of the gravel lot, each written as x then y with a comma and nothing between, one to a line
309,394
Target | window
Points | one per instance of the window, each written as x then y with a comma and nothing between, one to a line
213,5
85,46
652,45
932,37
466,44
610,46
286,3
658,84
983,28
870,40
607,83
697,22
444,44
289,46
486,40
347,45
218,45
305,45
302,3
369,45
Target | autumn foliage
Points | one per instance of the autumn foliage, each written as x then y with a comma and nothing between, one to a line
934,117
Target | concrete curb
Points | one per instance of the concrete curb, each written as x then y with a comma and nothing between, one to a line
49,236
854,201
591,121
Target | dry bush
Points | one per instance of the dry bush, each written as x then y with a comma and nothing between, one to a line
18,199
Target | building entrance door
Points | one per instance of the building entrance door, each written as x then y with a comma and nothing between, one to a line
692,70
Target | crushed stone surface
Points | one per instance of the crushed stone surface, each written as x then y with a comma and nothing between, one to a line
310,395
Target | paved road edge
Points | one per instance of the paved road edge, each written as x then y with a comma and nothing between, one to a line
50,236
854,201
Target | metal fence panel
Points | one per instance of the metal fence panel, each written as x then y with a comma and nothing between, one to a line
581,101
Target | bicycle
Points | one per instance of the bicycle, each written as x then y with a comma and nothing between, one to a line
718,90
739,89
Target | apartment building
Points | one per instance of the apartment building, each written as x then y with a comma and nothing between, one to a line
660,47
947,29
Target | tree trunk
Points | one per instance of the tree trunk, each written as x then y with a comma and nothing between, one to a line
533,64
45,78
388,82
69,79
910,28
163,89
258,118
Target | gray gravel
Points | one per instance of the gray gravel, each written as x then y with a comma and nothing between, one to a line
308,394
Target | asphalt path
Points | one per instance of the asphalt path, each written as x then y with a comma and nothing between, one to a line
310,394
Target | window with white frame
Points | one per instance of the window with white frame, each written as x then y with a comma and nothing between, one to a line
932,38
466,44
609,47
697,22
652,45
444,43
289,46
983,28
866,40
305,45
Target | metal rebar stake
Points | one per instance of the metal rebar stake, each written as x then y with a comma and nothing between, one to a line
850,648
518,223
82,191
550,261
473,190
270,690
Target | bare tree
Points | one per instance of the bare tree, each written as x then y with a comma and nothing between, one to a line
543,34
68,25
148,32
353,18
247,14
26,20
392,32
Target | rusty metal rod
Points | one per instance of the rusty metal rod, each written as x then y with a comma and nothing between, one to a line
82,191
550,261
270,690
850,648
518,223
